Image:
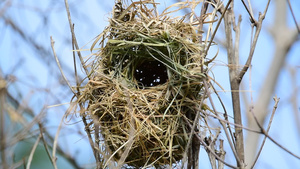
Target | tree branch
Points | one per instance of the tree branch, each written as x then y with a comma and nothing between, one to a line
283,43
268,129
258,26
234,85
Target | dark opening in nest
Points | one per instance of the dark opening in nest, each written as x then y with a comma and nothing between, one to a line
151,73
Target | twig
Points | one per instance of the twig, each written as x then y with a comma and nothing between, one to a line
217,27
58,64
88,132
275,142
226,121
75,67
253,45
192,130
74,41
74,38
202,13
3,97
267,135
237,29
55,142
222,154
235,79
225,113
222,123
234,86
294,18
43,53
208,148
269,126
94,146
211,144
45,144
32,152
281,48
252,20
71,160
5,6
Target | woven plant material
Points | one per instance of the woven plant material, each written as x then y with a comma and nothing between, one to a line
146,78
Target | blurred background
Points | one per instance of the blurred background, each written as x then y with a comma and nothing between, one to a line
35,97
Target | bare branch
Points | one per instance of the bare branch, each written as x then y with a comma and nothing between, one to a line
258,26
222,154
192,131
267,135
45,144
74,38
294,18
5,6
222,123
32,152
283,43
252,20
217,27
58,64
55,142
207,147
225,114
3,95
44,54
234,86
269,126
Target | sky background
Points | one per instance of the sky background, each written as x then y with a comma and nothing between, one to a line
38,81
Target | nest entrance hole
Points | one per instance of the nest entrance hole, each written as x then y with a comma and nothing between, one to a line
151,73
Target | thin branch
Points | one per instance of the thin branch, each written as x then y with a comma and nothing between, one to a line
74,38
3,97
43,54
282,46
252,20
253,45
71,160
222,154
275,142
234,86
88,132
212,143
222,123
192,130
58,64
217,27
45,144
250,7
5,6
55,142
225,113
237,29
201,20
32,152
74,41
294,18
267,135
208,148
269,126
75,67
225,121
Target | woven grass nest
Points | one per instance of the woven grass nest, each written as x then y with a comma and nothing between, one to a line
146,79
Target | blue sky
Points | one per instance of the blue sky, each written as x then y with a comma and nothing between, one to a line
42,19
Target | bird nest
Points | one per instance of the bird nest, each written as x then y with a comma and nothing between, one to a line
146,83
